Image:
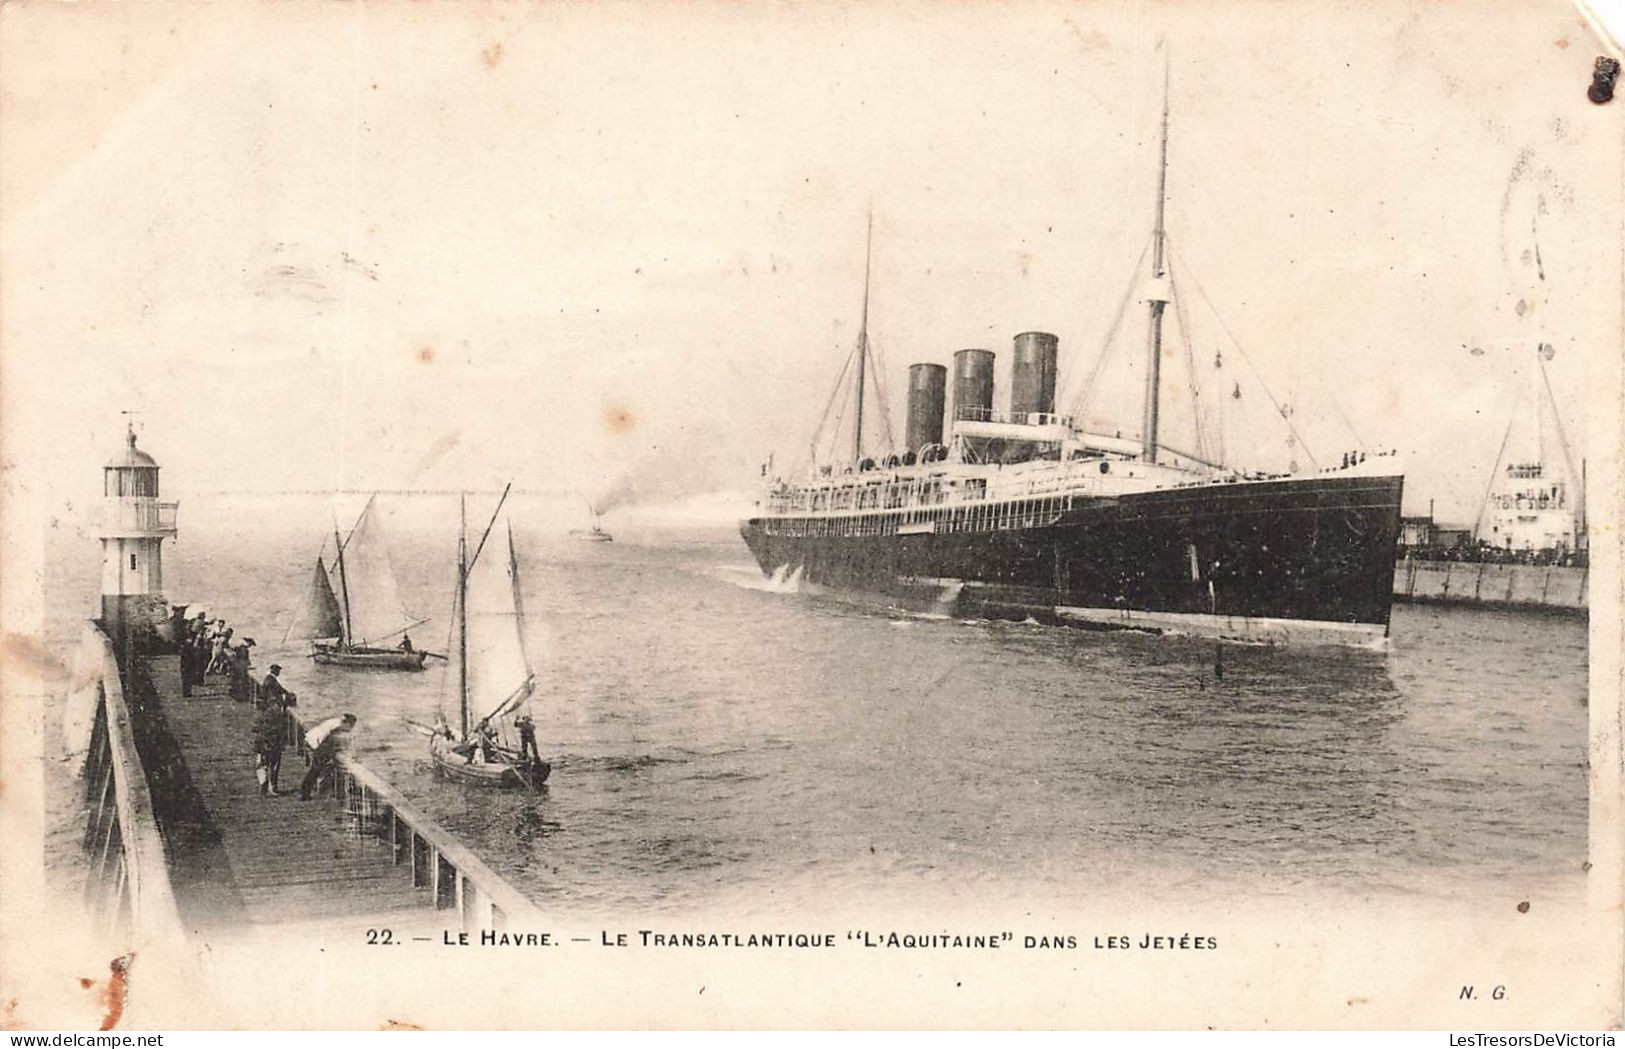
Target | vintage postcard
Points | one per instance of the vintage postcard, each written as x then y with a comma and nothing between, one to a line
904,515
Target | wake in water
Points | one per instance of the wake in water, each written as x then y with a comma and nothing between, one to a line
784,580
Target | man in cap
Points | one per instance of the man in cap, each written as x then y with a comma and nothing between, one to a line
194,655
181,628
271,688
527,740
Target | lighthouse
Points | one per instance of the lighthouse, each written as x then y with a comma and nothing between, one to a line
134,525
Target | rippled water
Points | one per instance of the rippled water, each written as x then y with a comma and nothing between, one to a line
722,740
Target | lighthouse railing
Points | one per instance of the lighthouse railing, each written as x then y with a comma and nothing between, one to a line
136,515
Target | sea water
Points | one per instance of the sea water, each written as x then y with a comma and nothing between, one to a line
721,738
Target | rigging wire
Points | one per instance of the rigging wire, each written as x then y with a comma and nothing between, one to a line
451,633
875,359
1557,418
1279,410
1080,401
840,385
1182,321
1320,378
840,417
1489,486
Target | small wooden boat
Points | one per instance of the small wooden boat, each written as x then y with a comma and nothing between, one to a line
595,534
347,627
372,658
507,770
493,674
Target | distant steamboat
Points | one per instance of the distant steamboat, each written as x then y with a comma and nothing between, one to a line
1025,513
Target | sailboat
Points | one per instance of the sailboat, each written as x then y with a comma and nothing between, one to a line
596,533
493,671
350,624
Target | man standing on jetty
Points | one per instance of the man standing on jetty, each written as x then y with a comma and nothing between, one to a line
271,689
270,737
191,639
326,739
238,666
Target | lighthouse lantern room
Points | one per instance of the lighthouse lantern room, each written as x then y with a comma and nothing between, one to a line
134,524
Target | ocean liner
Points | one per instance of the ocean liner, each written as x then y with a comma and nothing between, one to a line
1024,513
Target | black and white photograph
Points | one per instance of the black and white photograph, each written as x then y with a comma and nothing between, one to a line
811,515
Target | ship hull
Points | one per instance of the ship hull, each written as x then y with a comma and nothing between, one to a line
1268,560
368,658
511,772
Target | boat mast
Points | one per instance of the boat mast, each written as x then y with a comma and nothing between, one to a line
1158,298
1577,515
465,564
462,611
1540,421
344,587
863,340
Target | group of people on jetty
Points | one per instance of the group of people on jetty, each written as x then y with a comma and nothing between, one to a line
208,649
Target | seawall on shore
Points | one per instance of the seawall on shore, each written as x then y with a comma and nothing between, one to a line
1557,587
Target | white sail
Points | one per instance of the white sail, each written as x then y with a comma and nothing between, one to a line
498,668
371,597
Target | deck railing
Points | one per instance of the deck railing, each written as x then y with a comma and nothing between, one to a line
127,886
978,414
455,877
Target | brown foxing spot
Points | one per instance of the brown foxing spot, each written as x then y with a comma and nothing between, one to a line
425,354
491,55
28,658
1561,43
117,991
85,981
619,419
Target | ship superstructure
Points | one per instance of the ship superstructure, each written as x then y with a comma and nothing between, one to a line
1534,504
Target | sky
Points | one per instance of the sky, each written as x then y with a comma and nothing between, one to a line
390,246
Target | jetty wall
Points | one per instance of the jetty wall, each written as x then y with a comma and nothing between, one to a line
181,840
127,884
1562,588
457,879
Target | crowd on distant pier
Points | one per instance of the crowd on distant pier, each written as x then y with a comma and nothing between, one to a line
210,648
1484,552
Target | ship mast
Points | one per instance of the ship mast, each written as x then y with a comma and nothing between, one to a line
1158,297
462,612
344,586
1540,421
863,340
